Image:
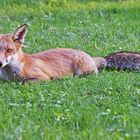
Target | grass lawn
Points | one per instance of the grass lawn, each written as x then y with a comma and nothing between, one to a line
106,106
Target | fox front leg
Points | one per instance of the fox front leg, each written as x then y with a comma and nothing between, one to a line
28,80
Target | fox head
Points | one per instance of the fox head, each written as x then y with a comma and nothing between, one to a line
10,45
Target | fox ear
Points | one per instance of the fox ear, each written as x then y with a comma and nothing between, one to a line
20,33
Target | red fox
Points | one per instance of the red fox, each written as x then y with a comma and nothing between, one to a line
53,63
47,65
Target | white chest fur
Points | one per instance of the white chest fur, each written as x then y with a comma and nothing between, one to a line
12,70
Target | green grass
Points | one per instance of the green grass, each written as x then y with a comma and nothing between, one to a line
106,106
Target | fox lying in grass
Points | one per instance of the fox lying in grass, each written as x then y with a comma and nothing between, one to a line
54,63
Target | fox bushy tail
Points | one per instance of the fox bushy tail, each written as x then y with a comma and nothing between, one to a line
120,61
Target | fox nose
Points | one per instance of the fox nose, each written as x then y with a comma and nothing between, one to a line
0,64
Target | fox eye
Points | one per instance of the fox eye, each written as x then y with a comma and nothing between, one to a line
9,50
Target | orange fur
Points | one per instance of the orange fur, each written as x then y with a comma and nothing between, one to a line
57,63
